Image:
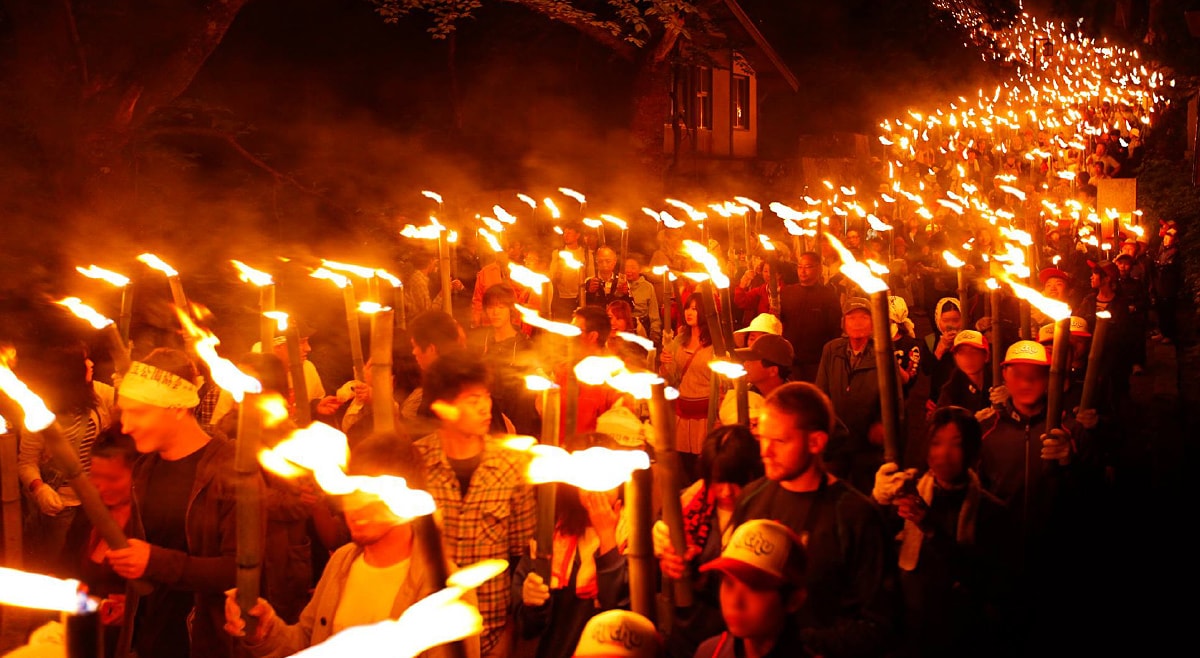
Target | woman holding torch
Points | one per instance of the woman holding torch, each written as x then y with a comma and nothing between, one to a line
588,569
84,407
685,366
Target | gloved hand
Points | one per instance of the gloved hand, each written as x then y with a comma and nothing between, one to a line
999,395
889,479
661,537
534,592
48,500
1056,445
1089,418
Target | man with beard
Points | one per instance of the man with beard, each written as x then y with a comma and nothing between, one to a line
378,576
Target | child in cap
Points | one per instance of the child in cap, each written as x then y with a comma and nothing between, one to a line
970,383
619,634
762,587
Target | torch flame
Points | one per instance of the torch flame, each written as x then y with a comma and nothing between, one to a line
437,619
491,240
280,318
33,590
503,215
1050,307
324,451
1013,191
669,220
878,268
252,276
37,416
371,308
527,200
94,272
653,214
224,373
550,205
644,343
527,277
594,469
592,223
765,242
952,260
389,277
616,221
700,254
337,279
154,262
85,312
857,272
727,369
531,318
566,191
356,270
748,202
877,224
992,284
695,215
492,224
431,231
611,371
539,383
569,260
437,198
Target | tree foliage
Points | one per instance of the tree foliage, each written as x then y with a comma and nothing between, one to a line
634,23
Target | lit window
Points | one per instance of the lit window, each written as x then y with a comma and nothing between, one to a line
741,102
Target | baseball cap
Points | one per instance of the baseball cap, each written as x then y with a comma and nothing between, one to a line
775,349
618,634
970,338
763,554
1027,352
763,323
1123,257
1079,329
1107,268
855,304
1052,273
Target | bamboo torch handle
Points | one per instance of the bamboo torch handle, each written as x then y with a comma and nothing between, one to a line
250,528
669,476
640,554
299,381
354,332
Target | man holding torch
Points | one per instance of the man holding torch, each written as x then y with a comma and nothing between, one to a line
848,609
479,487
379,575
184,511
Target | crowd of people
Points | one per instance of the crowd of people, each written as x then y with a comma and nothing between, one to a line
800,537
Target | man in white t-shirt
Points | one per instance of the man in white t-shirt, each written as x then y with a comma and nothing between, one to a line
376,577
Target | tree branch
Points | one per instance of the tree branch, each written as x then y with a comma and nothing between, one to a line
587,28
76,43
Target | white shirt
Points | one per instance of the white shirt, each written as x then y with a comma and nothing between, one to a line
370,593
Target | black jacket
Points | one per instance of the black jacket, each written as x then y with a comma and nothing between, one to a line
811,317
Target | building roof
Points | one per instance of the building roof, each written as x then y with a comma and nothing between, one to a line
766,50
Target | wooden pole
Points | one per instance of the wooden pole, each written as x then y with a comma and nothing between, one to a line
885,367
354,332
429,539
963,309
743,400
712,318
10,500
547,493
177,295
299,382
640,554
1025,319
126,317
1095,354
266,325
444,264
97,512
251,529
997,338
117,349
382,389
669,475
714,401
1060,361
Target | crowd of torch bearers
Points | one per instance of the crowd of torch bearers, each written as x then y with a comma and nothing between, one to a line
1091,73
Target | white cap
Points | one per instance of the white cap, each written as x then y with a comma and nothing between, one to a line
759,553
618,634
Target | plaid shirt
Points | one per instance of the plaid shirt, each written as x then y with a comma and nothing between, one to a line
495,521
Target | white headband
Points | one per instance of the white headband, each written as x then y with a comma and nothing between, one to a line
159,388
